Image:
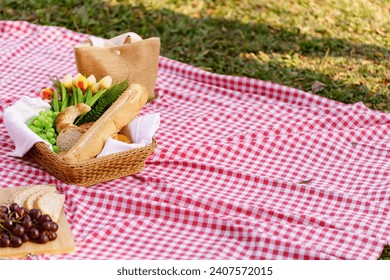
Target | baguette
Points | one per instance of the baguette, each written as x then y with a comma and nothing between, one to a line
120,113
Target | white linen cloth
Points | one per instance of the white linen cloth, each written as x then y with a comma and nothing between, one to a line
141,130
15,117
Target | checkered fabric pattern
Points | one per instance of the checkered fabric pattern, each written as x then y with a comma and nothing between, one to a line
244,169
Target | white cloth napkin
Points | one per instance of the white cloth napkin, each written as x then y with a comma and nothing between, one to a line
141,130
15,118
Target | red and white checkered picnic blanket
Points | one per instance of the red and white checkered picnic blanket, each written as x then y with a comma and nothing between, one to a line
244,169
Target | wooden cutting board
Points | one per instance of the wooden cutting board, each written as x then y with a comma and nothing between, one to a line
62,245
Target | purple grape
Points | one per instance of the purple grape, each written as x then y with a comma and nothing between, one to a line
18,230
44,218
5,241
52,235
25,237
33,233
16,241
53,226
42,239
46,225
3,209
27,224
8,223
27,217
35,213
13,207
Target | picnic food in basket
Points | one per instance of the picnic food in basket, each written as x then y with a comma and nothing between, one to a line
85,113
69,99
82,157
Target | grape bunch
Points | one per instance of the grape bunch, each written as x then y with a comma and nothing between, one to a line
44,126
19,225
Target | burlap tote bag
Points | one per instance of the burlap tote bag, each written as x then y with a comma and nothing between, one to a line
125,56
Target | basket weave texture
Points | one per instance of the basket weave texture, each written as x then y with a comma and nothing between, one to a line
90,172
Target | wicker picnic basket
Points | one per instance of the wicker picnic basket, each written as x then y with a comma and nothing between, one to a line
90,172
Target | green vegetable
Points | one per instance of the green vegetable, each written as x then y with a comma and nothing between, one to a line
103,103
64,93
95,97
56,103
75,95
72,100
80,97
88,97
64,98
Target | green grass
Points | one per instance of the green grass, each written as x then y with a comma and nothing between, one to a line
343,44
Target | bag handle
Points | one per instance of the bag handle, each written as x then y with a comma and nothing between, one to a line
126,38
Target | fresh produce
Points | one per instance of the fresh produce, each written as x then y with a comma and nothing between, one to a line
79,89
68,93
19,225
44,126
98,108
73,90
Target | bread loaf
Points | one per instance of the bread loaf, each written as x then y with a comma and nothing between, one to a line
66,118
122,138
68,137
120,113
